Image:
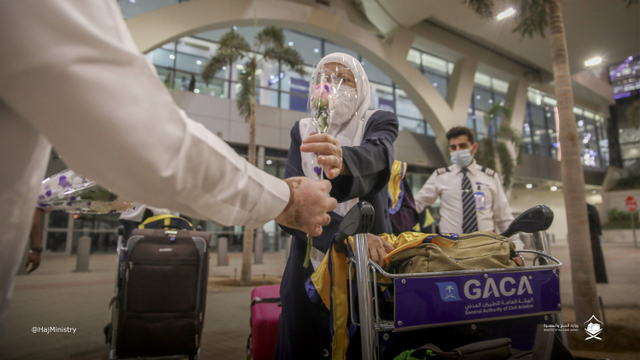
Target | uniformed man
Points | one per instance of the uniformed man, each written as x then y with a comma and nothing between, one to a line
471,195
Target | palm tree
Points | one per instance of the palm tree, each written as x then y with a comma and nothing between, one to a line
533,18
269,45
501,149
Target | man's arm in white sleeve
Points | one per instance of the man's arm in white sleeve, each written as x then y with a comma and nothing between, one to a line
72,70
502,216
428,194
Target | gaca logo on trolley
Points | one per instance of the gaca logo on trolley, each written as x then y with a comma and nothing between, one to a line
474,289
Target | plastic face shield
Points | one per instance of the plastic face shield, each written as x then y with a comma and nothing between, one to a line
336,75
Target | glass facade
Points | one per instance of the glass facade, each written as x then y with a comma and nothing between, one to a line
179,64
487,91
540,131
62,230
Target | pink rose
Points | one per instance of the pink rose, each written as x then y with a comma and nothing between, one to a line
321,94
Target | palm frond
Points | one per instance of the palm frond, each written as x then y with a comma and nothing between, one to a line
532,17
486,152
484,8
271,36
243,95
213,65
496,110
288,56
234,42
506,164
232,47
510,134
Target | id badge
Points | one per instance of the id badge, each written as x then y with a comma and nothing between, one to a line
481,202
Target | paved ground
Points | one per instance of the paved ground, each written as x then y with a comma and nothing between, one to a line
56,296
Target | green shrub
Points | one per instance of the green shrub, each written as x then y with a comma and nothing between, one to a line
620,220
628,182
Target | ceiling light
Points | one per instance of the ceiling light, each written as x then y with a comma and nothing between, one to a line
269,162
506,13
435,84
234,27
554,188
594,61
172,56
290,43
478,97
197,91
316,50
199,62
529,186
490,101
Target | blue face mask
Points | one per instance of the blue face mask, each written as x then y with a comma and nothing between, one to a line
462,158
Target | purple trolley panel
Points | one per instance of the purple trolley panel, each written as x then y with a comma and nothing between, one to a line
431,301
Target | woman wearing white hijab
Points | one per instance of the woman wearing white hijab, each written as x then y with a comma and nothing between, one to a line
356,154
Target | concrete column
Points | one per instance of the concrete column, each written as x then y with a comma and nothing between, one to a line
222,251
460,91
258,239
258,246
70,227
84,251
517,101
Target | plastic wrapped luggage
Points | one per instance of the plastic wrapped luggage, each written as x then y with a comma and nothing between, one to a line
265,317
161,294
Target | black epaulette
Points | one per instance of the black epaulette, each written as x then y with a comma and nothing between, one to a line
488,171
442,170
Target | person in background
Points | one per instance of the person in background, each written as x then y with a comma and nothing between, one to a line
35,237
595,229
471,195
73,78
402,207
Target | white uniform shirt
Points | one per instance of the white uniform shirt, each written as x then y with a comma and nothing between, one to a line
72,76
447,184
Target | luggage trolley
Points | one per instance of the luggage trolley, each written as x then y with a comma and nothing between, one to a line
458,307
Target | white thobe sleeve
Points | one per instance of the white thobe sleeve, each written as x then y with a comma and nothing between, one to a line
72,70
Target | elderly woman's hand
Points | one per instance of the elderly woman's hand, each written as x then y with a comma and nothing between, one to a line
330,153
378,249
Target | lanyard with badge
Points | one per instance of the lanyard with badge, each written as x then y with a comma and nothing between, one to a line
481,202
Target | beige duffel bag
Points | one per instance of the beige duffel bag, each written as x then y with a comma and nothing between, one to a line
478,250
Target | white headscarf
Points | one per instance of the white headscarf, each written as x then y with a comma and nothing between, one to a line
349,133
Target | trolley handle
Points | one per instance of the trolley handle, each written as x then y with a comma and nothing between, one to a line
533,220
359,220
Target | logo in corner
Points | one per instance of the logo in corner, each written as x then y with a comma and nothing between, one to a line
593,328
448,291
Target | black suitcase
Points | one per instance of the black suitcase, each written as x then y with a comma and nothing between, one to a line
161,290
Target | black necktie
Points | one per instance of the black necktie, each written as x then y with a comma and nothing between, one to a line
469,218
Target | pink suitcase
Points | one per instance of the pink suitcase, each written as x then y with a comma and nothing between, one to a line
265,317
